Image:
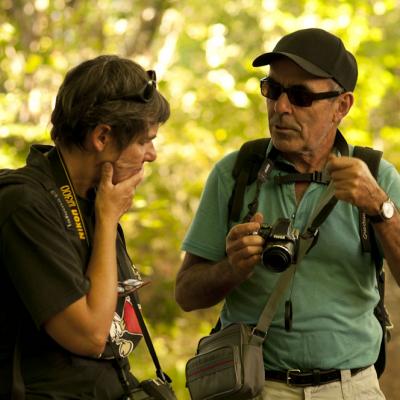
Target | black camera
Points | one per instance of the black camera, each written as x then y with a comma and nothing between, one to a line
281,245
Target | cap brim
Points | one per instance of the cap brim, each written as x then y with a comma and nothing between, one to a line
267,58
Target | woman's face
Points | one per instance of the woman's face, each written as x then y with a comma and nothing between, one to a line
130,161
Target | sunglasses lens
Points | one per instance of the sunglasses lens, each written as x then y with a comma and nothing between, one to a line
264,87
300,97
270,89
274,91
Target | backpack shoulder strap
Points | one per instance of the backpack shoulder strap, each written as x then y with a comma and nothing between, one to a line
248,162
372,158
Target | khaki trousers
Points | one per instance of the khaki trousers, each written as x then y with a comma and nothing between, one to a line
363,386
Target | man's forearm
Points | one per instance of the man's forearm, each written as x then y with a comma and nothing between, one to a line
205,284
388,233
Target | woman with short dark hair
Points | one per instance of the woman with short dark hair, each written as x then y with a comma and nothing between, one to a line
66,301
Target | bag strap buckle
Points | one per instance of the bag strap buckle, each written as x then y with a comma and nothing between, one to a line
258,333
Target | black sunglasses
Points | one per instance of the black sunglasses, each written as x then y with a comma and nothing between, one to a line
298,95
145,94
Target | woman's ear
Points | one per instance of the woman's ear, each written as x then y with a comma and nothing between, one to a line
100,137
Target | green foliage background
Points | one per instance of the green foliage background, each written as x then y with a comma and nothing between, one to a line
202,54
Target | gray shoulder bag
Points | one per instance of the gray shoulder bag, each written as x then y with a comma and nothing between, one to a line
229,363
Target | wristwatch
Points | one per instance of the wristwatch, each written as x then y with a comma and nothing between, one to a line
386,212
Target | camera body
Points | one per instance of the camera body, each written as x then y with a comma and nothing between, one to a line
281,245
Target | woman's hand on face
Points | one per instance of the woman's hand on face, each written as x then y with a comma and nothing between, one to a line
114,200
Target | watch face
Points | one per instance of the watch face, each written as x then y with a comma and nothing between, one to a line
387,209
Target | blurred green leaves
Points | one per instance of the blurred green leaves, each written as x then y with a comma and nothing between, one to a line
203,60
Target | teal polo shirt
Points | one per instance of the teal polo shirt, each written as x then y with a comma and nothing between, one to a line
334,290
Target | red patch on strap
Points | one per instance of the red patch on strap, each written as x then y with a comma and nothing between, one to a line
130,318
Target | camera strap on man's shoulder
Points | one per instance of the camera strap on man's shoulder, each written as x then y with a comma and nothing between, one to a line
249,161
245,170
249,164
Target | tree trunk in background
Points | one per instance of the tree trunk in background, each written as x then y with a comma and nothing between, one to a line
389,381
148,29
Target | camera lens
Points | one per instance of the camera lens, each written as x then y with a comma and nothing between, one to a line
277,258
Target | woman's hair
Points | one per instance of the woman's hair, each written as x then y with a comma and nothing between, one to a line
107,90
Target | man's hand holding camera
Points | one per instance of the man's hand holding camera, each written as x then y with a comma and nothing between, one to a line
243,248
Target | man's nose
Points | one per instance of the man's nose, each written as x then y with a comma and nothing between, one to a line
282,104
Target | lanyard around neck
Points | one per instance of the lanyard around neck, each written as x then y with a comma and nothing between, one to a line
269,163
69,198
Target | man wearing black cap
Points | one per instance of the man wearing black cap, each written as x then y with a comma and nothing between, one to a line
328,348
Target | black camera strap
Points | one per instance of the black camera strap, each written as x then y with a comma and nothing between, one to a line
71,212
138,311
327,201
321,177
270,163
159,372
262,176
325,205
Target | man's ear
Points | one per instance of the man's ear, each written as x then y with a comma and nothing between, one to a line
345,102
100,137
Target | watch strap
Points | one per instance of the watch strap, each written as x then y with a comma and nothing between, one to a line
376,219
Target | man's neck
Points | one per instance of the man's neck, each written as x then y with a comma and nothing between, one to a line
307,161
314,158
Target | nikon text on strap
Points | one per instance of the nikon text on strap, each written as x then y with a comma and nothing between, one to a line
67,190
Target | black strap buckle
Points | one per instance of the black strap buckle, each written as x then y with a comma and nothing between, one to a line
258,333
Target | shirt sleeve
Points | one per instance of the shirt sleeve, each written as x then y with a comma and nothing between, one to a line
389,180
44,266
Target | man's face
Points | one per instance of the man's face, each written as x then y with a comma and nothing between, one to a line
130,160
295,129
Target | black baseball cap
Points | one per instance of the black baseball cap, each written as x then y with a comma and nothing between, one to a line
318,52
